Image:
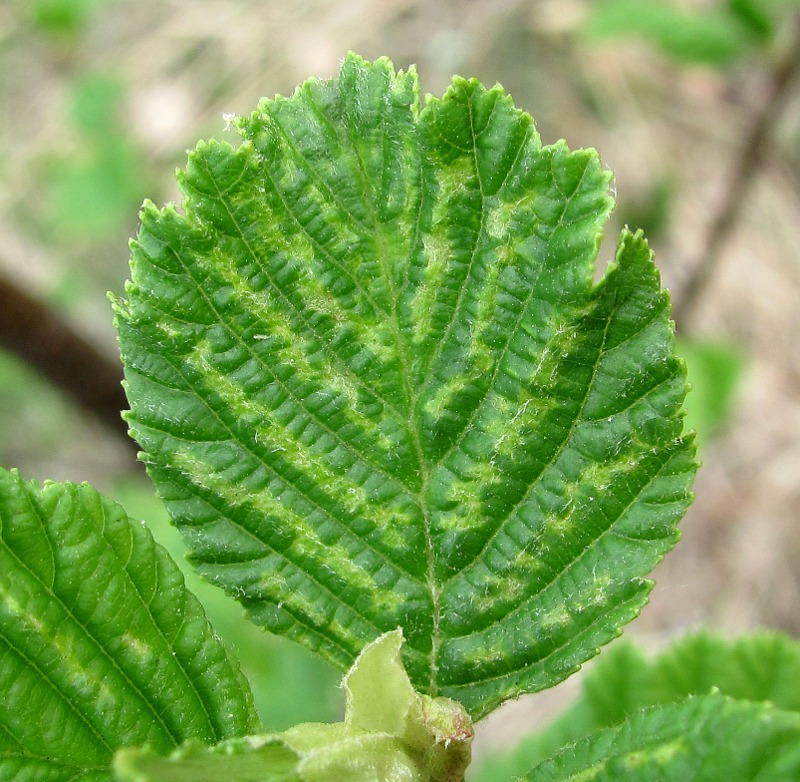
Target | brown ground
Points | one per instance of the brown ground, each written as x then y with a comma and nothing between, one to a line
185,62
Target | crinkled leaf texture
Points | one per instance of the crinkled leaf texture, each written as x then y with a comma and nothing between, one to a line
101,646
763,666
706,738
377,387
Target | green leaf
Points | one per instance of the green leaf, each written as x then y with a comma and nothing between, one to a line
64,17
704,739
376,385
717,371
290,684
101,645
763,666
389,732
249,759
757,16
712,37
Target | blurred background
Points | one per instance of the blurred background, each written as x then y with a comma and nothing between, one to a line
695,106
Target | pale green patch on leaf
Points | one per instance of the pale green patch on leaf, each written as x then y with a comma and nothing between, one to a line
101,646
247,759
704,739
390,732
376,386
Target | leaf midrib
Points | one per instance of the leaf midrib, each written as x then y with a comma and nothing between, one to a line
198,392
412,400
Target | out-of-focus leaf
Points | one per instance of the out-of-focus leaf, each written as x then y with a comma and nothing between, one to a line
93,192
706,738
712,37
764,666
755,16
62,17
96,105
715,371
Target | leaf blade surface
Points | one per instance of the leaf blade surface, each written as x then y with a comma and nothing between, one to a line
101,645
704,738
377,387
759,667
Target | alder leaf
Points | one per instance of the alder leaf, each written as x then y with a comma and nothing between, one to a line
101,645
377,387
704,739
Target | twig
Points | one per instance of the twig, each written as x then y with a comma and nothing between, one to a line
43,339
741,180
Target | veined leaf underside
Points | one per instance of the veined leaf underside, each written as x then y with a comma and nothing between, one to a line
376,385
